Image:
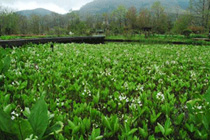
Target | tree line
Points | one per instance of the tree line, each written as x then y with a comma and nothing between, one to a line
120,21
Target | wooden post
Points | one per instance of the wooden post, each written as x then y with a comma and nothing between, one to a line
52,47
0,30
209,33
147,31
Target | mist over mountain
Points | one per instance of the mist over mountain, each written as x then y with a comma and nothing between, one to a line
38,11
104,6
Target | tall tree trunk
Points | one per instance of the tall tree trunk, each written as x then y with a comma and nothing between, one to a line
207,15
203,13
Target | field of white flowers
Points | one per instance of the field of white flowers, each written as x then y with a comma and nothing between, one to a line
107,91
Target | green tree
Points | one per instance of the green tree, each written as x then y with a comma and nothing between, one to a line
118,19
131,18
35,24
144,18
160,18
182,23
73,23
23,24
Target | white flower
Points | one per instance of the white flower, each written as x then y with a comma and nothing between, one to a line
122,97
127,100
17,83
13,117
199,107
160,96
160,81
37,67
173,62
133,105
13,113
142,88
139,102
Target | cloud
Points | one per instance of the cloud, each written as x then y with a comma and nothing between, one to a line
60,6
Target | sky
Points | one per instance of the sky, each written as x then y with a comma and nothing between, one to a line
59,6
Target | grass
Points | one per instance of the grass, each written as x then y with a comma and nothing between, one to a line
164,39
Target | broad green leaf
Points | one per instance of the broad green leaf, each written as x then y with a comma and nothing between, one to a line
25,129
26,112
6,124
82,129
96,98
7,61
116,126
1,66
71,124
39,118
167,123
205,123
132,131
56,128
7,98
168,131
76,129
151,137
106,122
8,108
161,128
190,127
99,138
207,95
179,119
81,138
143,132
87,123
23,85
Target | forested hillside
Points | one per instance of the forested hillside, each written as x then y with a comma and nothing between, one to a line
38,11
104,6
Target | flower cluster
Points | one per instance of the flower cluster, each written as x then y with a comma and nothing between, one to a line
160,96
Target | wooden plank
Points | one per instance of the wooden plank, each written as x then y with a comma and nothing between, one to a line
21,42
202,39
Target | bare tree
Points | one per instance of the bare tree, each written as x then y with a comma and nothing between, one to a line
201,11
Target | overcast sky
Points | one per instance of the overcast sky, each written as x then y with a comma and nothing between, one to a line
59,6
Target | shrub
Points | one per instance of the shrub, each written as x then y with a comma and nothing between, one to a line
187,32
197,29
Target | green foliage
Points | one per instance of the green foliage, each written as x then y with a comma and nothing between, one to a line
6,123
39,118
37,123
4,61
106,91
182,23
199,111
187,32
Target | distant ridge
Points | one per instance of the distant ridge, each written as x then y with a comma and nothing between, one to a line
104,6
38,11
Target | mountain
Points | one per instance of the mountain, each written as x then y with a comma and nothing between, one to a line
38,11
104,6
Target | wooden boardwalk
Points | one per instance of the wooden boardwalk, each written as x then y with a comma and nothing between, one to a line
21,42
202,39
